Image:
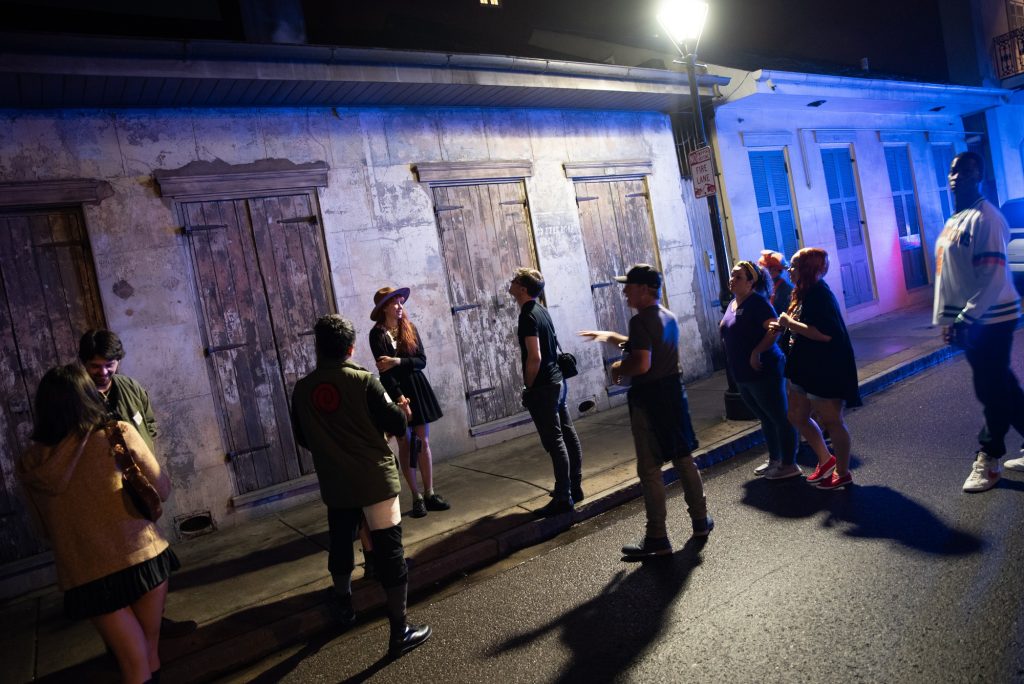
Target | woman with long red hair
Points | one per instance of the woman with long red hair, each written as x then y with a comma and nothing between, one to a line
820,367
398,350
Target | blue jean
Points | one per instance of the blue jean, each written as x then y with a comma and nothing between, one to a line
766,398
546,405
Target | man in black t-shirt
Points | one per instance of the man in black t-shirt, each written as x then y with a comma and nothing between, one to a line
544,391
658,410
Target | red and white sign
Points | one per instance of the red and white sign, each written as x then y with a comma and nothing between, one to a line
702,172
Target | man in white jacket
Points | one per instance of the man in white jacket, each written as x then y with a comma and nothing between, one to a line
978,307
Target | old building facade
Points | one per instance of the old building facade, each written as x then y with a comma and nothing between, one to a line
209,217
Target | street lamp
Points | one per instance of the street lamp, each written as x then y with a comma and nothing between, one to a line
683,22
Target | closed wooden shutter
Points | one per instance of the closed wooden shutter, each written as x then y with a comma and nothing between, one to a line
262,282
774,201
617,232
48,298
485,235
848,227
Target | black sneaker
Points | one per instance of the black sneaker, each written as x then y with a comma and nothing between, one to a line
419,508
702,527
436,503
650,546
411,637
554,507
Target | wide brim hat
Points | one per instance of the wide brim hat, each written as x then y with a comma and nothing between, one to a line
383,296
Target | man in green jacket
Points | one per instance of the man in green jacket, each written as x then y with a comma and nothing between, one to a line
101,351
342,414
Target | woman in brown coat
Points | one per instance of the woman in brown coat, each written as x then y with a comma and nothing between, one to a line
112,563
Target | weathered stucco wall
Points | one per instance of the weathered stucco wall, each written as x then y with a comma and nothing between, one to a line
379,230
795,131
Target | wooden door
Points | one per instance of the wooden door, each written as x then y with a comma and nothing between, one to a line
262,282
848,226
617,233
775,209
48,298
485,235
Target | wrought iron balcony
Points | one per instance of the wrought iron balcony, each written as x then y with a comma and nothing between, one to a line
1010,53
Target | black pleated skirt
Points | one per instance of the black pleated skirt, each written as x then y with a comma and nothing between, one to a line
422,400
120,589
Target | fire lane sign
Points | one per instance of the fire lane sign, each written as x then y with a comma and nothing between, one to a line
702,171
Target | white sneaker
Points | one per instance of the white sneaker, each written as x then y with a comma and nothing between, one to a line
765,467
779,471
985,473
1015,463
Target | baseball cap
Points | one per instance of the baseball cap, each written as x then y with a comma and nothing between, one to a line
641,274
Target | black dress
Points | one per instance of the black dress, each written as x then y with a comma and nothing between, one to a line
826,369
407,378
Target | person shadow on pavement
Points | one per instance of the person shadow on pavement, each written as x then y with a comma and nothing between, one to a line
869,511
622,621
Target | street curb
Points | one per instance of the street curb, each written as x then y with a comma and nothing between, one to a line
202,659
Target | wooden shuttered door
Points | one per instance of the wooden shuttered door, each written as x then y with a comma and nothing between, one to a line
485,235
48,298
617,232
774,201
848,226
262,281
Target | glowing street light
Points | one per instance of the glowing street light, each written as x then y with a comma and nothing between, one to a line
683,21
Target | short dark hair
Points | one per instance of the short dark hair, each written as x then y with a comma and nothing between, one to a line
531,279
334,336
67,402
975,159
103,343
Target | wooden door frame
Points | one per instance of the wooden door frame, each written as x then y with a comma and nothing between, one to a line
217,181
612,389
454,174
863,218
47,196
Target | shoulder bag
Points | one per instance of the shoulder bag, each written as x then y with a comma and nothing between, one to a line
134,482
566,362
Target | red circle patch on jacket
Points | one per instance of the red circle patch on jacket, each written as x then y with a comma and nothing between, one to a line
326,398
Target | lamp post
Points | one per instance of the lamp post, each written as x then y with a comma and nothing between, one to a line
683,22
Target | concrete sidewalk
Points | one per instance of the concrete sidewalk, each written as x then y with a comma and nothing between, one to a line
259,586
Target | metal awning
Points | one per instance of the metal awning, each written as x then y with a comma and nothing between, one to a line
47,71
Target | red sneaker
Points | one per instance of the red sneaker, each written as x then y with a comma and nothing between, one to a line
823,471
836,481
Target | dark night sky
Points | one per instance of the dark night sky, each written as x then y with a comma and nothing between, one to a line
900,37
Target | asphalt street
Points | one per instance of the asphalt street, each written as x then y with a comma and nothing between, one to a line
901,578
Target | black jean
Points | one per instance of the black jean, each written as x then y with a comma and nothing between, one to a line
546,405
995,385
388,552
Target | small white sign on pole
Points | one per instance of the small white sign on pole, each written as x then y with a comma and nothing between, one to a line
702,171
